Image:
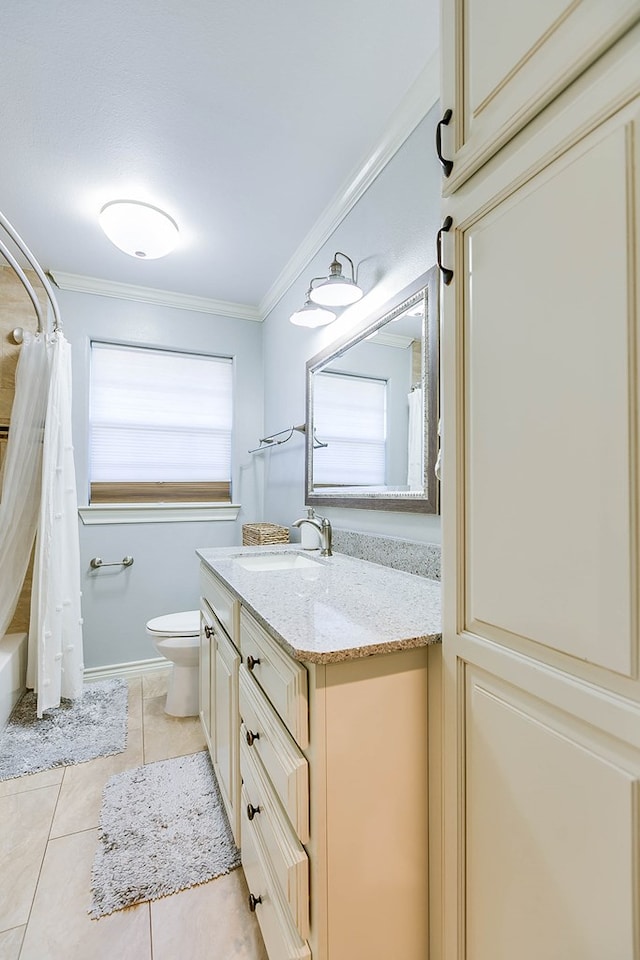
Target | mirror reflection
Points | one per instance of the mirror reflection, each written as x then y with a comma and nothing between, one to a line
372,404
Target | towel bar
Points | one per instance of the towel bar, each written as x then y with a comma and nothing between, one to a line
98,562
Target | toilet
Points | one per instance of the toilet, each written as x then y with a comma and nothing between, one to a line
177,637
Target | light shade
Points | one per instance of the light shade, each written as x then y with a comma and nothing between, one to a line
139,229
311,315
336,290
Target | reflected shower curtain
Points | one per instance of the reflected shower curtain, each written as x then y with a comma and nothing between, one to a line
55,663
21,480
415,452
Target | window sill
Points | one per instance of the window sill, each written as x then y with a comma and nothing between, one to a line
157,512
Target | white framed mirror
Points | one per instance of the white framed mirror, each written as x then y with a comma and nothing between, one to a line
372,409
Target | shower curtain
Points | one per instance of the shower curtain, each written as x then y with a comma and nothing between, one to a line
21,479
39,501
55,662
415,451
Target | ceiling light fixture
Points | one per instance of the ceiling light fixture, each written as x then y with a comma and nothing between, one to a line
312,315
336,290
139,229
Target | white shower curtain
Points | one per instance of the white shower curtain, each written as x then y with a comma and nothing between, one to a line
21,480
55,662
415,452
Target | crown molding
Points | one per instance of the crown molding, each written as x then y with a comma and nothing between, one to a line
391,340
417,102
163,298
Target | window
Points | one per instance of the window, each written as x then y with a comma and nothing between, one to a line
160,426
351,417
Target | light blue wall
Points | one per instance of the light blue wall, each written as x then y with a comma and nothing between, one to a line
390,234
117,603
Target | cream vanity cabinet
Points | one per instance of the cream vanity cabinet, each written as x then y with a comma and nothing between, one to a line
541,542
334,826
335,771
502,62
219,664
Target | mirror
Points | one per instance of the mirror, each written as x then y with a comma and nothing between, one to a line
372,410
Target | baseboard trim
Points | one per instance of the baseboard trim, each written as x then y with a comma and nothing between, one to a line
127,670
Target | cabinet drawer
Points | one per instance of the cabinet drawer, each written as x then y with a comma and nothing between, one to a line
281,938
284,763
283,680
221,601
262,812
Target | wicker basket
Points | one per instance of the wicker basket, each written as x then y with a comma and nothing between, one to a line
262,533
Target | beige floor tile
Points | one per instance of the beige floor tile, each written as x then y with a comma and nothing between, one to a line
33,781
60,928
155,684
166,736
81,792
135,704
10,943
209,922
26,821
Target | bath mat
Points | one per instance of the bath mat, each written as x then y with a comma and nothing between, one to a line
162,829
77,730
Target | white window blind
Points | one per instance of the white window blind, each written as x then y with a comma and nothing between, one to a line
350,416
159,416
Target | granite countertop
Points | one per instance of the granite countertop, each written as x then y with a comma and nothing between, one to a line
334,608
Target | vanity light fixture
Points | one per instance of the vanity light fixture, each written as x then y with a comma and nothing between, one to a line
312,315
336,290
139,229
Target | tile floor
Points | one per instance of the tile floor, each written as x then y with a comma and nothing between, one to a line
48,836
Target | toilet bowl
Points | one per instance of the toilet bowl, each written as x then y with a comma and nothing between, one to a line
177,637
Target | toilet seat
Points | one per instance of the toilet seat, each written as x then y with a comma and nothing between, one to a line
183,624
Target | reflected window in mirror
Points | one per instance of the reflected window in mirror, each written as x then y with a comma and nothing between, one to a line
372,398
355,454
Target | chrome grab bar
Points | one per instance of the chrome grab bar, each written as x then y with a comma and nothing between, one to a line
98,562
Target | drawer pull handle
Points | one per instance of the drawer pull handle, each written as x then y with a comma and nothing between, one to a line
251,811
447,165
447,274
253,902
252,662
208,631
251,737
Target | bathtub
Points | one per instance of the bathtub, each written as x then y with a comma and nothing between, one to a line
13,672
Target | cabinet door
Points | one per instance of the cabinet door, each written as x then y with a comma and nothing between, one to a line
206,623
541,536
502,62
227,726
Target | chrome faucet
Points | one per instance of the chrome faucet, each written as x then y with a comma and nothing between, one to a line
323,527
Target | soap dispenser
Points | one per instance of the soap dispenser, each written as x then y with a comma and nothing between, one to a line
309,536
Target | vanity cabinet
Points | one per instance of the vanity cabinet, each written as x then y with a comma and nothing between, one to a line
503,62
219,664
334,826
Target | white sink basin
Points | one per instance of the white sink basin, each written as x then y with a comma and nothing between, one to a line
276,561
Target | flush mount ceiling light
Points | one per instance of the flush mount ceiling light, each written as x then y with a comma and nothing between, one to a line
311,315
336,290
139,229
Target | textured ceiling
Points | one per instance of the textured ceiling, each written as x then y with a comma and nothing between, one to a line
240,118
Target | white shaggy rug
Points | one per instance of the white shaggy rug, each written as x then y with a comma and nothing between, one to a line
93,726
162,829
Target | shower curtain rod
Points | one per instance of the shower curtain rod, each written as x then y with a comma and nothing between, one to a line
11,260
18,333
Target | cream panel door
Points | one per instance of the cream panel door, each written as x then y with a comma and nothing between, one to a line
205,668
541,408
552,838
227,726
549,413
503,62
